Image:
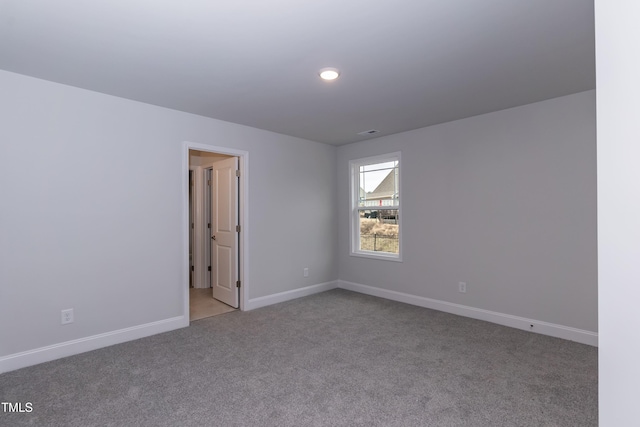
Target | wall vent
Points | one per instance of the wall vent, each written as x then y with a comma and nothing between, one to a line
368,132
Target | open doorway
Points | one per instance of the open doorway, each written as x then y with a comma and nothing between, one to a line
216,211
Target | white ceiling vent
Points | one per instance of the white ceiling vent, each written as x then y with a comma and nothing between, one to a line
368,132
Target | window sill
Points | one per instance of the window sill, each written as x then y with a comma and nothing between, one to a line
374,255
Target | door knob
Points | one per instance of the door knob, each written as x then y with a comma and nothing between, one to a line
213,237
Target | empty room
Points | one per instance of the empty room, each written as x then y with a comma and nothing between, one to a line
407,213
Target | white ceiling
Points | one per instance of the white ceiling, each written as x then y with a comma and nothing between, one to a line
405,64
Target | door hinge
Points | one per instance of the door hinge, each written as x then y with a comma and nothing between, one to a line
238,172
208,225
209,268
237,228
209,182
192,226
238,284
192,268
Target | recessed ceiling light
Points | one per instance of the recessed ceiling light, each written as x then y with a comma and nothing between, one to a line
329,73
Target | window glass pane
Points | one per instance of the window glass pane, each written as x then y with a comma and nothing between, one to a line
378,185
378,230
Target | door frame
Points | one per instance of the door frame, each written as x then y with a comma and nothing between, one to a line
243,209
201,260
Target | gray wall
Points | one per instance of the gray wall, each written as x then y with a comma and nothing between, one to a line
91,212
504,201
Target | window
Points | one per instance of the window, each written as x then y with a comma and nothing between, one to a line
375,207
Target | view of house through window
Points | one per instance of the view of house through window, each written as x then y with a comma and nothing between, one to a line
376,206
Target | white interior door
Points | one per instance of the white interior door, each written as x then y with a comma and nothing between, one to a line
224,237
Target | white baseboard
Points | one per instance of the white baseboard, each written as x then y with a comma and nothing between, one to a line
289,295
558,331
70,348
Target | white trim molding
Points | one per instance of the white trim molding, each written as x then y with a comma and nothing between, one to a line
355,196
81,345
199,260
243,163
537,326
289,295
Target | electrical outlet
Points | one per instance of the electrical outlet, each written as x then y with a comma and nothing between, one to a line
462,287
67,316
305,272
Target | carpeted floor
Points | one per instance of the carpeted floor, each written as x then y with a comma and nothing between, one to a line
332,359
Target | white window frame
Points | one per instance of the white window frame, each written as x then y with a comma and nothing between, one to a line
354,194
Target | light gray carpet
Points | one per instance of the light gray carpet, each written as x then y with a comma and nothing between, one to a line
333,359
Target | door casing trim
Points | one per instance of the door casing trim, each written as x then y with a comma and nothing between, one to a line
243,207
